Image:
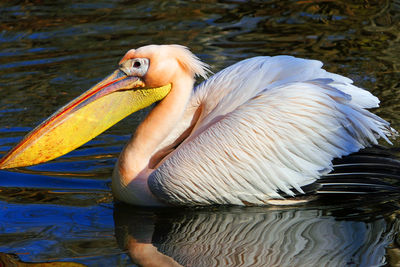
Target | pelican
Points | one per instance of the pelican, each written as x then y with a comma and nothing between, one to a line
260,130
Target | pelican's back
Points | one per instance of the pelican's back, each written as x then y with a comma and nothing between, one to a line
268,125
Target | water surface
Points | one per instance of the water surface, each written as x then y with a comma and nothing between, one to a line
51,51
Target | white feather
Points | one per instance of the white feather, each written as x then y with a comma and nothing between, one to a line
268,125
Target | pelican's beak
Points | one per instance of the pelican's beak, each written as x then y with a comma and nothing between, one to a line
96,110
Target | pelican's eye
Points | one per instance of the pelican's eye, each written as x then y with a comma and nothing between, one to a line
135,66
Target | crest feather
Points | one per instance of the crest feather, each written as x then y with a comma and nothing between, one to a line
189,61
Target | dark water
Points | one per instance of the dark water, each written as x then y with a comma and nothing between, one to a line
51,51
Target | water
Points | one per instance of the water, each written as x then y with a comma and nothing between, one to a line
63,210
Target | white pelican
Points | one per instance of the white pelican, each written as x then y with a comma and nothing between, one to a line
256,131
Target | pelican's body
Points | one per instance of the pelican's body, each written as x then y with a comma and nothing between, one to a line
260,129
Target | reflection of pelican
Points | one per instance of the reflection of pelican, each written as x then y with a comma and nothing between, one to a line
260,129
252,237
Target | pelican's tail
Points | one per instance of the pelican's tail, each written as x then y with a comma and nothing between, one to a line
371,171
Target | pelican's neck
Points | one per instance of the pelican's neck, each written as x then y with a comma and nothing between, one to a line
132,169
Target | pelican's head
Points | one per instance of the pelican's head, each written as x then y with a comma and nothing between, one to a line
158,65
145,75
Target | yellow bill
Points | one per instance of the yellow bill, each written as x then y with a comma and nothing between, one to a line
87,116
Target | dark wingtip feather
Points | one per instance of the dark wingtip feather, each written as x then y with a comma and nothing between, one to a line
371,171
370,175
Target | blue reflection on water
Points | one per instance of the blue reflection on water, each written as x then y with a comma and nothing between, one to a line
55,232
28,180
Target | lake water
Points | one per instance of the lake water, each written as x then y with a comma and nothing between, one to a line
51,51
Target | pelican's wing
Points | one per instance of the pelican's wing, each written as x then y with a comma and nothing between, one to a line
235,85
280,140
